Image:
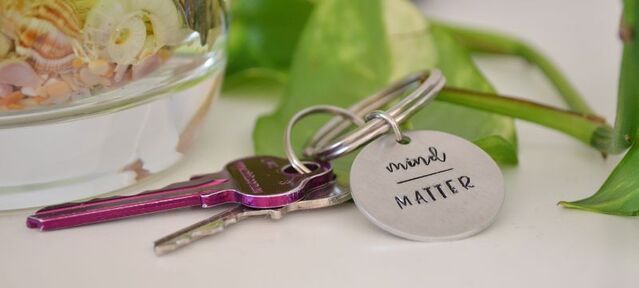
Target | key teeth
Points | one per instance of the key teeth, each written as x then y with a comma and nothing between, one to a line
276,214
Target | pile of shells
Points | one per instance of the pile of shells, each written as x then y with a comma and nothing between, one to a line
53,51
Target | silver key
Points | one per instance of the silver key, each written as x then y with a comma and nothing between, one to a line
331,195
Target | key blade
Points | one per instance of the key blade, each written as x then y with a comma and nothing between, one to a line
174,196
199,230
330,194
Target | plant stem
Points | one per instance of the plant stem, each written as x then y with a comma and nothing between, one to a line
489,42
627,120
589,129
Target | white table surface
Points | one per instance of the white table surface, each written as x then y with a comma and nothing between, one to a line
534,243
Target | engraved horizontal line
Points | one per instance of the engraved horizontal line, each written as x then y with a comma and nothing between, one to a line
424,176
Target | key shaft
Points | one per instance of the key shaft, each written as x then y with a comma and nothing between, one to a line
259,182
329,195
178,195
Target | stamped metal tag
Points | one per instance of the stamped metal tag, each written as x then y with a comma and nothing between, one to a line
436,187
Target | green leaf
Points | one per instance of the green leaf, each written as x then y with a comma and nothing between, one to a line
493,133
385,40
619,195
333,65
264,34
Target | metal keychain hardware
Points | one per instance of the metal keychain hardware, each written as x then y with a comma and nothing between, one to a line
399,181
426,185
288,146
424,86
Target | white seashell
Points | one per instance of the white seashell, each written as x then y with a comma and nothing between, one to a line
127,40
165,20
18,73
29,91
117,29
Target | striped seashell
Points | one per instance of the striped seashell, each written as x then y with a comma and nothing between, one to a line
47,32
61,14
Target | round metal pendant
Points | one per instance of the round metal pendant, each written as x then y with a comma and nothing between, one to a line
436,187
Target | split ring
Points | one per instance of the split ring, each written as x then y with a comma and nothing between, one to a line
399,136
421,87
288,146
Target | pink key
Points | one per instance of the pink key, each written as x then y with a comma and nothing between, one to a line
257,182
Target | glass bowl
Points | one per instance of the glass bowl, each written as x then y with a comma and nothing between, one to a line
137,116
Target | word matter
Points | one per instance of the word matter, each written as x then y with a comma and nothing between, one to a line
435,192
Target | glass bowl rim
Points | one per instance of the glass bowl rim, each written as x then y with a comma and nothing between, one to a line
103,104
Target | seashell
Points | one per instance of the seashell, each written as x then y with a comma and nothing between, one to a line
127,41
101,67
77,63
42,92
72,80
60,13
29,91
5,45
50,52
120,30
145,66
12,100
45,31
166,22
82,8
18,73
88,78
5,89
58,91
120,73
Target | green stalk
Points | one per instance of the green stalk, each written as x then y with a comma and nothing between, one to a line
619,195
589,129
493,43
627,120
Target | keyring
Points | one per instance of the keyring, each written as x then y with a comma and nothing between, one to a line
288,149
429,83
399,136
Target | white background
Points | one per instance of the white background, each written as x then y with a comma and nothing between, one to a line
534,243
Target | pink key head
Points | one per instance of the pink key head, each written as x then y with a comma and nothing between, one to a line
268,182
